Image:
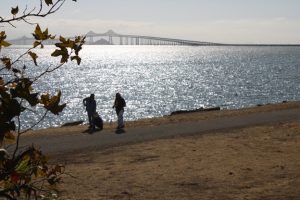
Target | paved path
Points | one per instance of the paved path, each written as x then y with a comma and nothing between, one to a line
108,138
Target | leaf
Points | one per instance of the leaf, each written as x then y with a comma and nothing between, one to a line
63,52
49,2
62,39
1,81
57,53
52,104
40,172
7,62
12,108
36,43
9,137
37,33
45,33
15,10
77,58
6,128
41,35
23,166
33,56
14,177
23,89
15,70
4,43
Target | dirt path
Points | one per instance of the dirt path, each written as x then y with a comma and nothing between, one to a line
57,144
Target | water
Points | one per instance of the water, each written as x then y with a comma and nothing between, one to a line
156,80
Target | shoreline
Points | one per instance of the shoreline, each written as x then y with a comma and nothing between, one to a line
170,119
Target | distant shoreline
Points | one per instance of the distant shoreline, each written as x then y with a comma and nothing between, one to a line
232,45
263,45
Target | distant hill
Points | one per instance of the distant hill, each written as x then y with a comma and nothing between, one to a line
101,42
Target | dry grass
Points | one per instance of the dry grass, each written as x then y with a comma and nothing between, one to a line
259,162
252,163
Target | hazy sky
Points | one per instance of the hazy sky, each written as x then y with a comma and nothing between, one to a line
224,21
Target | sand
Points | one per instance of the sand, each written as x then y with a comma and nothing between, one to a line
260,162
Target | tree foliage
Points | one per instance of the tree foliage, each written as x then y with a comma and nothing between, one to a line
26,173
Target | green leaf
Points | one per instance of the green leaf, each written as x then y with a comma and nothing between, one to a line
33,56
23,165
15,10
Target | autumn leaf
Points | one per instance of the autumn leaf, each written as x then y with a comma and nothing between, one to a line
52,103
9,136
7,62
77,58
41,35
23,90
37,33
49,2
14,177
3,43
36,43
15,70
63,52
15,10
1,81
33,56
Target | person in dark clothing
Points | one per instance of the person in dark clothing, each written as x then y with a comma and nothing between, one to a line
90,105
119,106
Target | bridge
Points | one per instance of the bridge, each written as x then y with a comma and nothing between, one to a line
112,38
123,39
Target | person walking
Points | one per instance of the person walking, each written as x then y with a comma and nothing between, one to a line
90,105
119,106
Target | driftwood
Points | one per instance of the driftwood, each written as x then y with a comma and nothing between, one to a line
72,123
195,110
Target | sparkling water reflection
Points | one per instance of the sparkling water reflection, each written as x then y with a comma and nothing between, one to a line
156,80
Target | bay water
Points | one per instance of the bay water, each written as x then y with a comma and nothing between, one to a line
157,80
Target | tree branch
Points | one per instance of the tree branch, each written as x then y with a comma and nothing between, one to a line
42,118
53,8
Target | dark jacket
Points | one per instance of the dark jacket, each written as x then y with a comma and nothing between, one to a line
119,104
90,104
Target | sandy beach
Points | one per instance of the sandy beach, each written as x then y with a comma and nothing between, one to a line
256,162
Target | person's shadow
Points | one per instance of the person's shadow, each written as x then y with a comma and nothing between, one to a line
120,131
90,131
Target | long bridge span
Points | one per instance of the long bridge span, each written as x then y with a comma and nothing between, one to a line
112,38
124,39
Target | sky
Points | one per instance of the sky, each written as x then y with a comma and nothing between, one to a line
220,21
